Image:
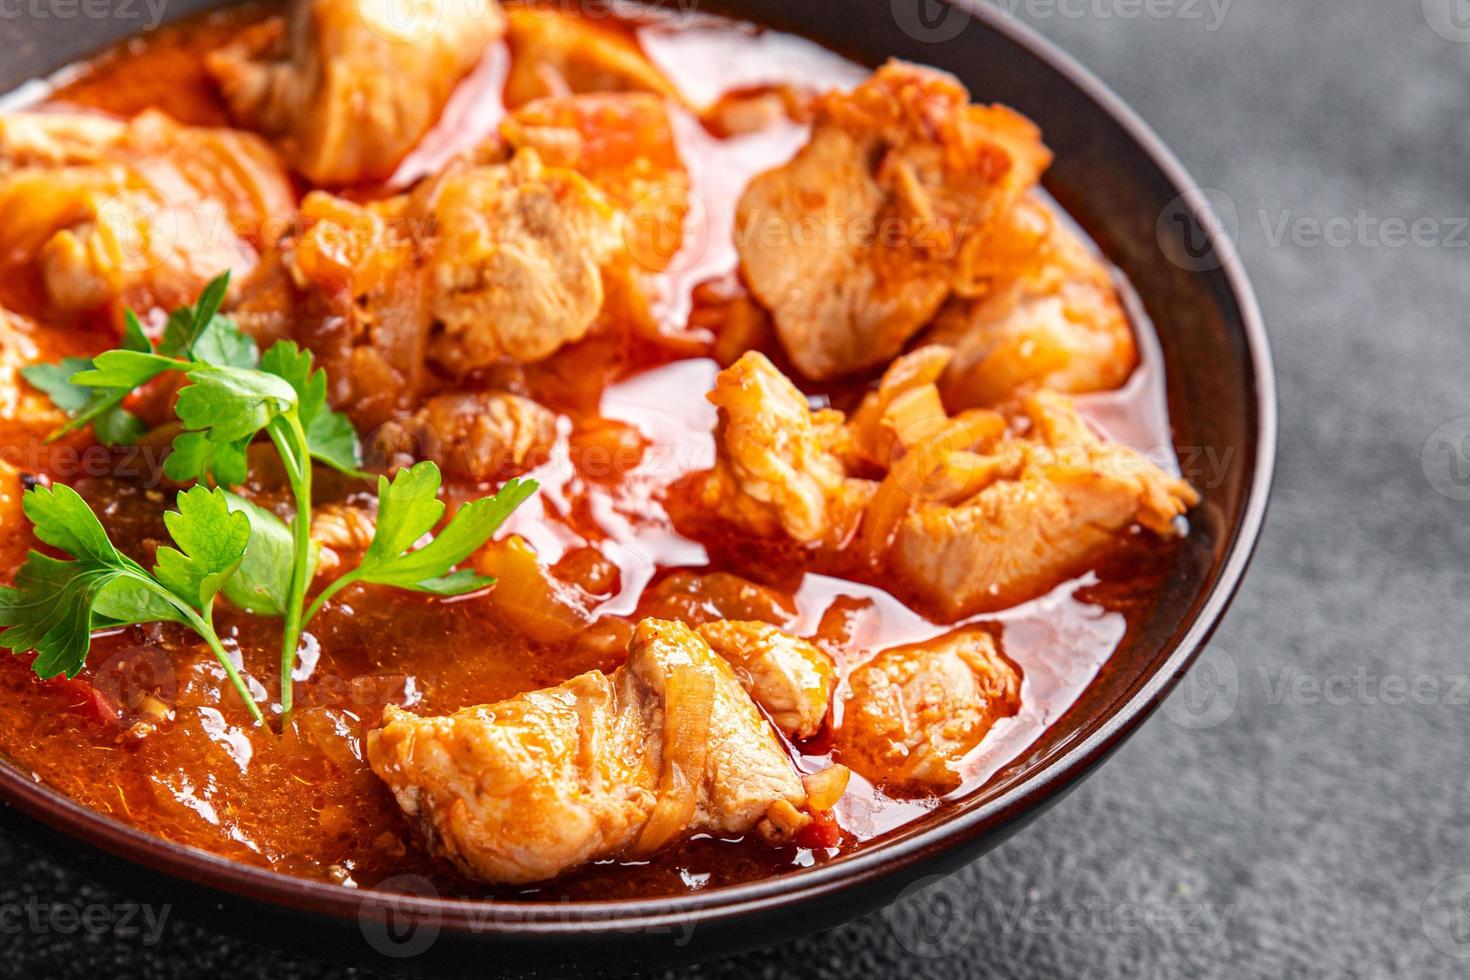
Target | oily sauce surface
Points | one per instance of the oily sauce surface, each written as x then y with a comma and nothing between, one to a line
150,733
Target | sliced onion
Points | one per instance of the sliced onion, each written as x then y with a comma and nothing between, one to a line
689,701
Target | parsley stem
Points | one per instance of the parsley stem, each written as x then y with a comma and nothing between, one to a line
204,626
290,441
327,593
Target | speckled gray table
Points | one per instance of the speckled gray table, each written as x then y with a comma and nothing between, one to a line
1310,818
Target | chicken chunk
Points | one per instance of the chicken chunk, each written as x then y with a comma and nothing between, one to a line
111,215
602,766
1055,323
482,435
350,286
348,87
856,242
516,264
698,599
791,678
913,713
27,416
483,262
1010,517
977,511
779,468
555,53
624,144
340,530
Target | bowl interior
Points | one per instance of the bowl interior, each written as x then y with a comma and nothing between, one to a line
1116,180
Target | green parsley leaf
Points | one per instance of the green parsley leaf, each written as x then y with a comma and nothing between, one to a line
114,426
133,336
55,381
212,539
408,508
186,325
195,457
124,369
262,584
55,605
232,404
224,344
50,610
118,427
330,436
64,520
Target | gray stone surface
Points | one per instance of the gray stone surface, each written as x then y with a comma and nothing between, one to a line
1311,820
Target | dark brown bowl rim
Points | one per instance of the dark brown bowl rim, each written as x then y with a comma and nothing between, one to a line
879,861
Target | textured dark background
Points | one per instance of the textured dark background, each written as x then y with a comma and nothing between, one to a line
1299,807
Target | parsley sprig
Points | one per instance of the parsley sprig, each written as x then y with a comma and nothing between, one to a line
226,545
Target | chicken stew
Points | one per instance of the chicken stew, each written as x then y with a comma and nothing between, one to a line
802,460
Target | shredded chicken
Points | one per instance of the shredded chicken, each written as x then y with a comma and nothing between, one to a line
855,244
913,713
348,87
112,215
601,766
555,53
779,468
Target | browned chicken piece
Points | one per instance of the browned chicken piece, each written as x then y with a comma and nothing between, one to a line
913,713
57,139
1006,518
516,264
481,435
555,53
976,512
112,215
750,110
348,87
340,531
350,286
502,260
698,599
27,416
791,678
855,244
624,144
1055,323
779,467
602,766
